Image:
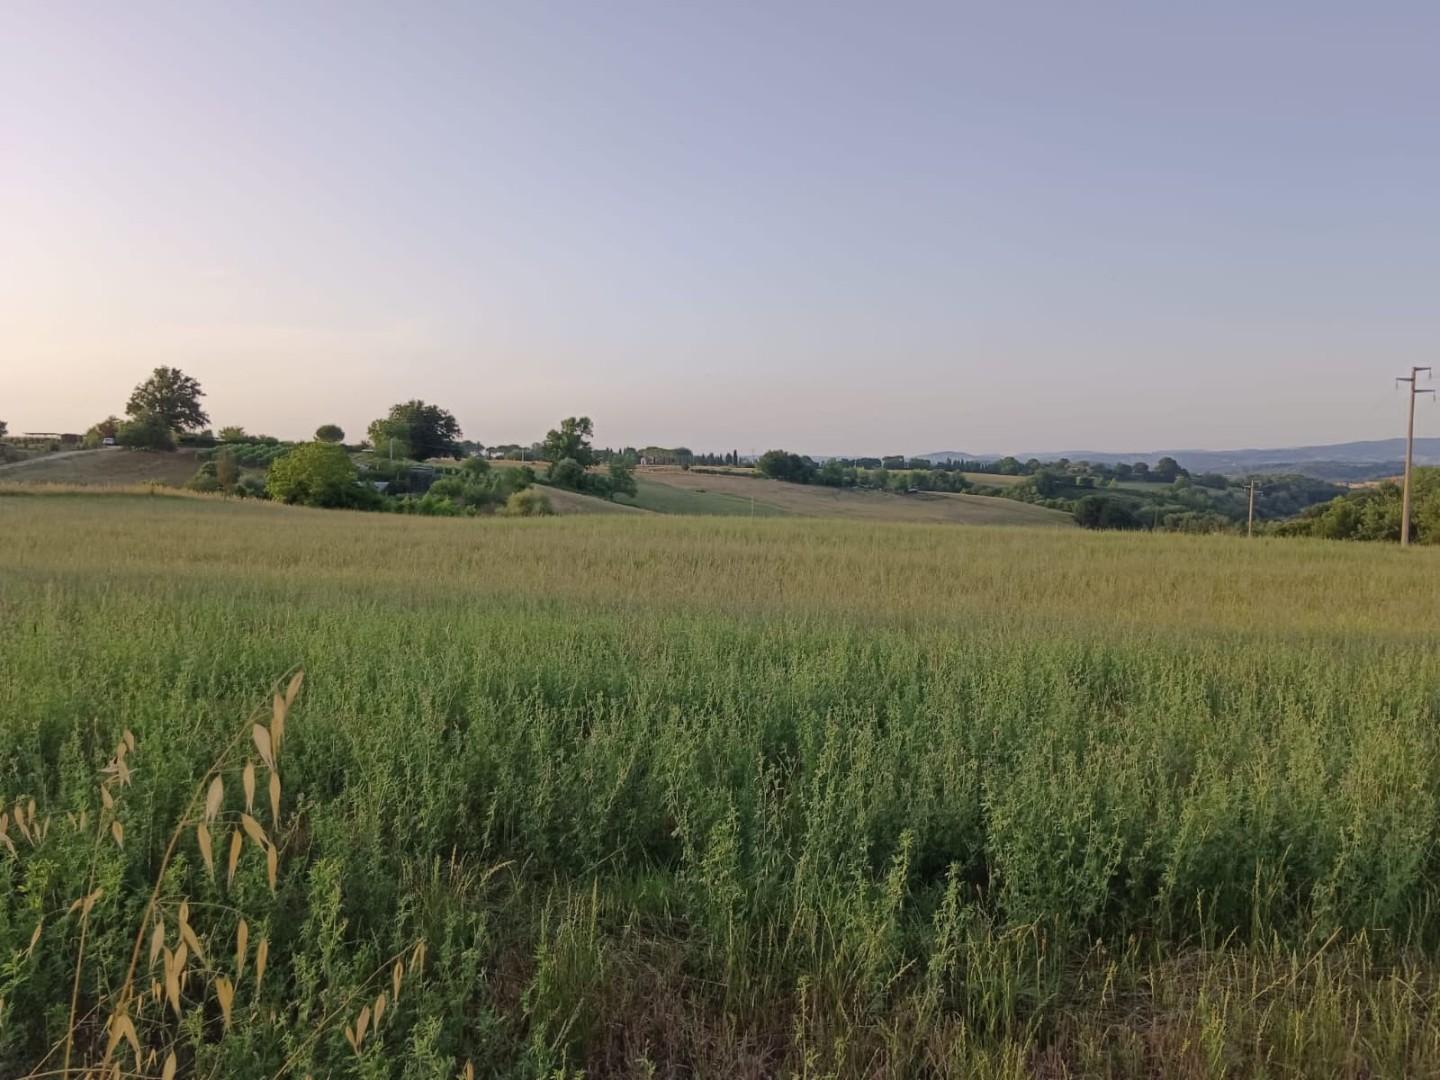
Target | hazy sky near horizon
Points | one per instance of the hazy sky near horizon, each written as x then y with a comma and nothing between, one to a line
826,226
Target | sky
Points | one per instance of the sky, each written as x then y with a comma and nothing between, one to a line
823,226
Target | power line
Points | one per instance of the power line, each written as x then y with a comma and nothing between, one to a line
1413,379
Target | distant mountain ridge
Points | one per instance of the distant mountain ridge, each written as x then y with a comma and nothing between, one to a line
1351,460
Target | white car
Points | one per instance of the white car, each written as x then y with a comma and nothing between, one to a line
107,441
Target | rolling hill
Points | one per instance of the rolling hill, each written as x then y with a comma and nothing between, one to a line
1360,460
772,497
108,467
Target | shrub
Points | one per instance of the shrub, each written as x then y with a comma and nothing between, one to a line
528,503
318,474
567,473
251,487
622,480
1099,512
146,432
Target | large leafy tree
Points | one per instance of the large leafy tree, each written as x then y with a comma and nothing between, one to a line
426,431
330,433
172,397
571,440
782,465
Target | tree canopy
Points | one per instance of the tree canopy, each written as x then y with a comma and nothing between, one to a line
426,431
147,431
316,474
172,397
571,440
330,433
782,465
1374,513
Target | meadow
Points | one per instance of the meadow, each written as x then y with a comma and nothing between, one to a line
634,795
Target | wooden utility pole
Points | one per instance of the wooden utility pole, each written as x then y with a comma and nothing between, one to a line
1413,379
1250,526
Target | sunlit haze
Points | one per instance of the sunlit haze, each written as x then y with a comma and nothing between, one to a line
830,227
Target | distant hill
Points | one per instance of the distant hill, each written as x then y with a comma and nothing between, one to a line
1363,460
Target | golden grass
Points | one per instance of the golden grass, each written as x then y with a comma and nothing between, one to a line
777,565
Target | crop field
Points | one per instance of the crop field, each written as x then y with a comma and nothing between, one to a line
654,493
642,796
813,500
994,479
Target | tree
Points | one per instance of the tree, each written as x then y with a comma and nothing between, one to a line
4,429
622,480
330,433
227,469
233,433
171,396
1167,470
426,431
316,474
782,465
567,473
147,431
96,434
571,440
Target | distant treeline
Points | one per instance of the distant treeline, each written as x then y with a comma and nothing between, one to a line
1100,496
1374,513
916,474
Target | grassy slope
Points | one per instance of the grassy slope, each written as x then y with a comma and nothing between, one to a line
994,479
572,502
750,799
654,493
810,500
107,467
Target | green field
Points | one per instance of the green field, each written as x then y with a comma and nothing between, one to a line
669,499
673,490
717,798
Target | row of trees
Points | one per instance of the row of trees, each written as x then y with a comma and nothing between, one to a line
853,473
1165,471
1374,513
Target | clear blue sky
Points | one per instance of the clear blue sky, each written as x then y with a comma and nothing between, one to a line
832,227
